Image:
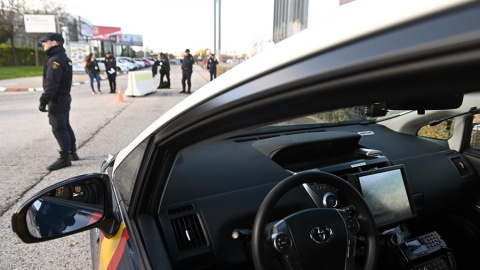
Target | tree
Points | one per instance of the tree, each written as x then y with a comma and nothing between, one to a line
11,22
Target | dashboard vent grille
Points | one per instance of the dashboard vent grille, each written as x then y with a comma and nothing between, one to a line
461,167
189,232
255,139
182,209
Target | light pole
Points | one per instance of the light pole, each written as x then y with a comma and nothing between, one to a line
215,26
66,44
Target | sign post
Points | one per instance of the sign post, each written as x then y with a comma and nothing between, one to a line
39,24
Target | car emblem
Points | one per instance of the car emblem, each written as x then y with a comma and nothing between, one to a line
321,234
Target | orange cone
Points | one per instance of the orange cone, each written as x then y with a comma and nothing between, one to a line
119,95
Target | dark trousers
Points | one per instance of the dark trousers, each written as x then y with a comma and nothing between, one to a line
187,76
62,130
162,74
112,81
213,74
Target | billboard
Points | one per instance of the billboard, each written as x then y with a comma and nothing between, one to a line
132,40
39,23
104,32
78,53
86,27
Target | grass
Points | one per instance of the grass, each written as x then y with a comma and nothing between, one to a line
11,72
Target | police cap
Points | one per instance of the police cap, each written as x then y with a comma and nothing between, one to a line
53,36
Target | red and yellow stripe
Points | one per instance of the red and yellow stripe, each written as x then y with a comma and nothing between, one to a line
111,250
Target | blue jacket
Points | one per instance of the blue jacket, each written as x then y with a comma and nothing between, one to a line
187,63
212,64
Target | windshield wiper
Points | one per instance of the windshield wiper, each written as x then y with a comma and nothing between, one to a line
473,110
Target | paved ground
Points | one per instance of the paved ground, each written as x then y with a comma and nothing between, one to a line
35,83
27,146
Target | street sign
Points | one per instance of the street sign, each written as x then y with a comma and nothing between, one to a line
39,23
113,38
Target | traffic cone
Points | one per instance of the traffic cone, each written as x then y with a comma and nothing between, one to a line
119,95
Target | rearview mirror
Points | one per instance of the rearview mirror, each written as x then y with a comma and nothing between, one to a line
68,207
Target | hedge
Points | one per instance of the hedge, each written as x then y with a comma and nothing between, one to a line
24,56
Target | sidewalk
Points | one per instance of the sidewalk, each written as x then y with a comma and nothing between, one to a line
35,83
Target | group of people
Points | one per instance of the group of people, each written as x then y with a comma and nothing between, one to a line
93,71
187,69
57,83
164,63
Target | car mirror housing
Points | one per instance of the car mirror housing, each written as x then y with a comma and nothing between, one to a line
71,206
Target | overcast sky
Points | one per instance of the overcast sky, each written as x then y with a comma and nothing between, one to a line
174,25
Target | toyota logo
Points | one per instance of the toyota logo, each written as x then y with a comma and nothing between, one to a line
321,234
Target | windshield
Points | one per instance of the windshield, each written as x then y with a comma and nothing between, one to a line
351,115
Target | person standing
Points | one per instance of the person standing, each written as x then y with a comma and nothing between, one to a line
57,83
111,70
212,66
187,69
164,70
93,71
155,66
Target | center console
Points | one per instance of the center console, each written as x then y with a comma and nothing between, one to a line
425,252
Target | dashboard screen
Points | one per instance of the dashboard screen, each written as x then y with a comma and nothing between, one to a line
386,193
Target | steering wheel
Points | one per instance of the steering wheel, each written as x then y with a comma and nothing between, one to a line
318,238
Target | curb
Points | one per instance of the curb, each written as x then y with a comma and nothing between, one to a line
33,89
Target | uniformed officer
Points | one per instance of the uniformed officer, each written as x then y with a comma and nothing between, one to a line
187,69
57,81
212,66
164,69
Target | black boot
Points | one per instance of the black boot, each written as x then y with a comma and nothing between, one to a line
73,154
62,162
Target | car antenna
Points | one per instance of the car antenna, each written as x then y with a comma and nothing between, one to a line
472,110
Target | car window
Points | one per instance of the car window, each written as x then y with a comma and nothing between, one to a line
442,131
475,137
341,116
127,172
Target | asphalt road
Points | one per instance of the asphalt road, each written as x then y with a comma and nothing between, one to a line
101,125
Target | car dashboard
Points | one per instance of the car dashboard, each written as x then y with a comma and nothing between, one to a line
215,190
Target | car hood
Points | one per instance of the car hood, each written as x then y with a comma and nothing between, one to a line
302,45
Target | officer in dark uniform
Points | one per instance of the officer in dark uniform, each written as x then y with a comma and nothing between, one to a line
164,70
187,69
111,70
57,81
212,66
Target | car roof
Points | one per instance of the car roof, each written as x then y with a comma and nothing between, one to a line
338,30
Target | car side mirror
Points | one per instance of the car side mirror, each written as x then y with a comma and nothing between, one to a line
68,207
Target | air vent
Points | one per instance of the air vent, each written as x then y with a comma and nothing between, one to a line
182,209
189,232
461,167
255,139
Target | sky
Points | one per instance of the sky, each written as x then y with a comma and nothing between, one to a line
175,25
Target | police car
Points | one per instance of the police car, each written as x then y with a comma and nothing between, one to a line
353,145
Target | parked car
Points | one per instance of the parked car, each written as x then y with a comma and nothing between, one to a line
148,63
121,65
331,150
131,63
139,62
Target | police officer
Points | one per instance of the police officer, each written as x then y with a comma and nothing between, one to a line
57,81
187,69
111,70
164,70
212,66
